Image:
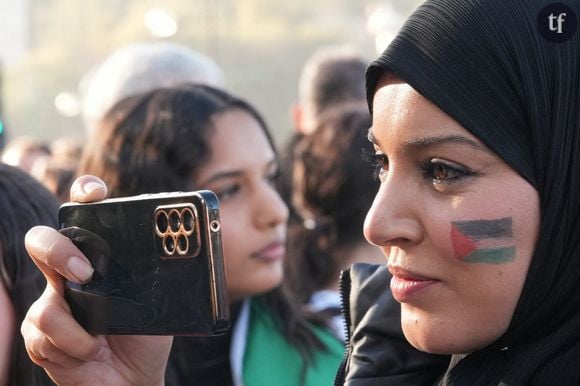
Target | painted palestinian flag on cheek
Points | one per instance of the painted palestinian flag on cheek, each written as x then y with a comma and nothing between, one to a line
483,241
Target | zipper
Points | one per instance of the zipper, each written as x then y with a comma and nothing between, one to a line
344,287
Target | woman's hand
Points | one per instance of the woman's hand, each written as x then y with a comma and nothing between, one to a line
55,341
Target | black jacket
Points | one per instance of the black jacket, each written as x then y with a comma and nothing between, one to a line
377,352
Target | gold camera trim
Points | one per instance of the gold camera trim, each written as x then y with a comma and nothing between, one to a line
177,231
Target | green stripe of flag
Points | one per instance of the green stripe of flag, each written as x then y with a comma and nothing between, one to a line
491,255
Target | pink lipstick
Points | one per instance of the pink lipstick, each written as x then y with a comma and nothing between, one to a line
404,284
272,252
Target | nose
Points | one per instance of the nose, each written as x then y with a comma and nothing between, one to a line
271,210
394,217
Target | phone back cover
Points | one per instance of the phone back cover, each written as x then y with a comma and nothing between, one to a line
135,290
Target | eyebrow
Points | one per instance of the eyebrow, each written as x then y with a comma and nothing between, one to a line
434,140
233,173
222,176
442,139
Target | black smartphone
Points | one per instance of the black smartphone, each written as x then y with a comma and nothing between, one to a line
158,264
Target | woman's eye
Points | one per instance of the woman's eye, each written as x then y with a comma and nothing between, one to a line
444,172
273,177
227,192
379,162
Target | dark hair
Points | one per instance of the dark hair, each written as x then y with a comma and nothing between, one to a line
332,77
24,203
158,141
333,188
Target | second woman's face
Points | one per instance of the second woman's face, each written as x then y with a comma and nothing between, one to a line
241,172
457,224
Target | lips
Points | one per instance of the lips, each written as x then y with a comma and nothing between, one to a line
272,252
405,284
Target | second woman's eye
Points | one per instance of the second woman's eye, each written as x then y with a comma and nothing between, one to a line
273,177
227,192
444,172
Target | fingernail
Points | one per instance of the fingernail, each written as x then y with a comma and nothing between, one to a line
80,268
39,238
91,186
103,355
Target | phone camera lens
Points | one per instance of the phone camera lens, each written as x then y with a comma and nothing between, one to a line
169,244
214,226
174,221
182,244
188,221
161,223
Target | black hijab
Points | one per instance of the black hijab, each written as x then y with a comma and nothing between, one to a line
486,64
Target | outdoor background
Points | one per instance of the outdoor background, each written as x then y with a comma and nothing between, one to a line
46,46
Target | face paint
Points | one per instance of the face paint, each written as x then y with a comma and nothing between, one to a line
483,241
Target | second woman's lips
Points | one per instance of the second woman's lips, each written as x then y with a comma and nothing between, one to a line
272,252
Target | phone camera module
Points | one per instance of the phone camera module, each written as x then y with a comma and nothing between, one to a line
176,231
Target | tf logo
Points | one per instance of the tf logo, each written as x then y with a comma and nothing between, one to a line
557,22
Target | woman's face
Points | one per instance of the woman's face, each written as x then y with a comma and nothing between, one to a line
241,172
458,226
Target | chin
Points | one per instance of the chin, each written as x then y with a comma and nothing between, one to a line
263,285
269,285
444,340
273,277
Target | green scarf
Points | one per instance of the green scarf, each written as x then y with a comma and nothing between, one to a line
271,360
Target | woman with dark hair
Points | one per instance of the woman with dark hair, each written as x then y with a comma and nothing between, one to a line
196,137
333,188
24,203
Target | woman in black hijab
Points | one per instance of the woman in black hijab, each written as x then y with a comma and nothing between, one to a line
476,128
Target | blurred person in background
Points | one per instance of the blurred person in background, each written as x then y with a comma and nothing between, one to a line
24,203
25,152
66,150
332,76
333,188
58,171
142,67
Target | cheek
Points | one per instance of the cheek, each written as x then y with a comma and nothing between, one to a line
483,240
236,275
233,247
245,275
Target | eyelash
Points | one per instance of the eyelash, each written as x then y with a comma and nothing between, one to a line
273,176
430,168
233,189
227,192
433,166
377,161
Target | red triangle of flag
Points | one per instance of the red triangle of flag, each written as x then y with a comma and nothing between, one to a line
462,245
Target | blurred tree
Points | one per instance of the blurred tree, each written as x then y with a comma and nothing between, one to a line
261,44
